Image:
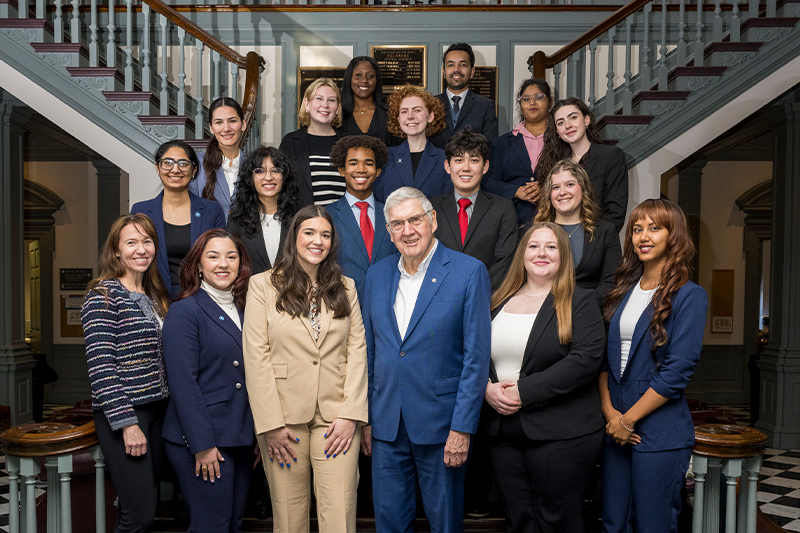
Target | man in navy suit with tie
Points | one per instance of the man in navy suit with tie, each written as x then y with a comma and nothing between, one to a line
358,216
428,329
463,108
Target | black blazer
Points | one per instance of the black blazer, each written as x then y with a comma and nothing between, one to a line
608,173
378,127
295,146
510,169
254,244
558,383
599,261
491,234
477,112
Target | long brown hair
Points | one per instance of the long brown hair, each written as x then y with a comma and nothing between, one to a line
111,267
674,275
212,161
590,213
563,284
555,148
294,284
189,273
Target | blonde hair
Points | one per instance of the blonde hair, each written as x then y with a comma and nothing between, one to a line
303,116
563,284
590,212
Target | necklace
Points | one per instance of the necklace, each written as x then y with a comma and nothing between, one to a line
267,219
534,295
367,109
573,231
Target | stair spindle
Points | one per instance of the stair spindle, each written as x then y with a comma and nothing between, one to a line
64,471
94,46
644,54
215,75
39,9
233,89
573,77
181,103
610,75
627,95
75,21
663,71
771,9
12,467
164,95
58,24
699,48
99,486
198,119
111,45
144,53
557,81
753,8
129,45
717,32
736,23
22,9
592,73
681,48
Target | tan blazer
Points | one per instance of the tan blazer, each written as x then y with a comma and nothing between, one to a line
288,373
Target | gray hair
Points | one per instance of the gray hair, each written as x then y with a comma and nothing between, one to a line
407,193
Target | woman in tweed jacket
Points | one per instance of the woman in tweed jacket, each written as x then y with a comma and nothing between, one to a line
122,315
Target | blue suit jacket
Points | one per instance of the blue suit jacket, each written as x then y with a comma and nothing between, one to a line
206,215
208,397
437,375
670,426
477,112
353,256
510,169
221,192
430,178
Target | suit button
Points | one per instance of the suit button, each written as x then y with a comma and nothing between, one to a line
238,385
522,374
315,363
402,354
236,363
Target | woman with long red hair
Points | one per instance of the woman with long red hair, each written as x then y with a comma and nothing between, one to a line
656,320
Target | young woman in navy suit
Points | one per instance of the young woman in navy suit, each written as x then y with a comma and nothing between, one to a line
415,115
208,427
267,199
568,199
179,215
656,319
220,163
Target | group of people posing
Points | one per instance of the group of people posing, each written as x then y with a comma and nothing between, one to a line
456,305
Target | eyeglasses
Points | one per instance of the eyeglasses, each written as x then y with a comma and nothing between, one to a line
261,173
398,225
183,164
527,99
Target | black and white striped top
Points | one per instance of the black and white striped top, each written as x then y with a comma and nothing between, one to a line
326,182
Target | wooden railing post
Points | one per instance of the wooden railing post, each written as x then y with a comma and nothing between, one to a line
538,65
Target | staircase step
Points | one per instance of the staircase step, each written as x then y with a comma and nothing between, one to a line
730,54
789,8
658,103
764,30
168,128
98,78
693,78
621,127
27,30
63,54
136,103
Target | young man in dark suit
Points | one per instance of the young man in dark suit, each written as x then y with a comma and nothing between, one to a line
463,108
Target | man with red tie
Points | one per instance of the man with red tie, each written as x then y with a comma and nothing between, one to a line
358,216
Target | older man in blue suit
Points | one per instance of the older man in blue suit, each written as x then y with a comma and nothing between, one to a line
426,316
358,216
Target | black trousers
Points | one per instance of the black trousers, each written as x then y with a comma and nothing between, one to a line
134,478
541,483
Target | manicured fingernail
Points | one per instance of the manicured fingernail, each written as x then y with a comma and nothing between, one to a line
288,465
298,440
334,455
327,456
344,452
281,464
270,459
295,459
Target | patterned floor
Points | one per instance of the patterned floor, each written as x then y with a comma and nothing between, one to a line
778,494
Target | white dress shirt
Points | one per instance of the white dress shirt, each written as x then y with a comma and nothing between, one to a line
231,170
637,303
408,290
271,230
351,201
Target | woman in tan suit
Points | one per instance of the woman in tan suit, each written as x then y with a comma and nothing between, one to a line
306,360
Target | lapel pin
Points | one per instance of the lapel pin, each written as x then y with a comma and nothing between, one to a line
399,159
222,318
434,280
197,214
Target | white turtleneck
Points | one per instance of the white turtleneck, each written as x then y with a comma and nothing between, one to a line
224,299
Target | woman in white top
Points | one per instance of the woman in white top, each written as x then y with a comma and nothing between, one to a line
267,199
656,319
220,164
542,402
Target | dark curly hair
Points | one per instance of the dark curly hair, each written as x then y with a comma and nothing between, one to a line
343,145
555,148
348,100
247,207
433,104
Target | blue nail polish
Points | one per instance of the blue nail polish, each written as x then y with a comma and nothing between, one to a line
288,465
326,435
327,456
295,459
270,459
334,455
344,452
298,440
281,464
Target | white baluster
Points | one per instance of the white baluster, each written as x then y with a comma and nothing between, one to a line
198,119
29,469
144,53
53,499
771,8
700,469
627,95
699,49
75,23
610,75
736,23
181,72
215,74
681,49
111,45
233,89
129,45
99,486
557,81
94,51
58,24
717,33
752,466
712,496
22,9
753,8
163,95
663,71
64,471
39,9
592,73
12,466
573,75
644,70
732,469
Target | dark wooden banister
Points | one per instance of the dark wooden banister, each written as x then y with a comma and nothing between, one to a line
541,62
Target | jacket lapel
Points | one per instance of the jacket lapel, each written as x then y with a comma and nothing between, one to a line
588,249
197,216
642,326
448,115
222,186
481,207
345,215
381,233
390,297
156,212
261,247
303,164
591,159
404,164
449,218
434,278
466,105
219,316
284,233
426,165
518,144
615,340
546,314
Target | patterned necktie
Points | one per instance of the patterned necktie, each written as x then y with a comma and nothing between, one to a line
367,231
463,219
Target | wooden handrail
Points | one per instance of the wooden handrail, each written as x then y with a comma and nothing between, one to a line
47,439
541,62
251,84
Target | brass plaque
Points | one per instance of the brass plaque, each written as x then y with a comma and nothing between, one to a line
484,83
401,64
307,75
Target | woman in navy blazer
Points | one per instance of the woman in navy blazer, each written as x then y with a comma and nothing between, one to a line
208,427
415,115
656,321
568,199
179,216
222,156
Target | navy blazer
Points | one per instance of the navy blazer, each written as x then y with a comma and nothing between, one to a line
353,256
558,382
255,246
378,127
670,426
430,178
221,192
206,215
491,234
510,169
477,112
437,374
295,145
608,172
208,397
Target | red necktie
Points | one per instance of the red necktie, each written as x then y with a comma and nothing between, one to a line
463,219
367,231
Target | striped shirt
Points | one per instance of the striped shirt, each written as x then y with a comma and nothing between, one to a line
123,353
326,182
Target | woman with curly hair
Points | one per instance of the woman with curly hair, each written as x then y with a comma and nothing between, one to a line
568,200
363,110
656,318
572,134
306,359
414,114
267,199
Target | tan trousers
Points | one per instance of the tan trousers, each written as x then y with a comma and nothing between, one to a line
335,482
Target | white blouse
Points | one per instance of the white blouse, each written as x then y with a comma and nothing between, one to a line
271,229
510,334
634,308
